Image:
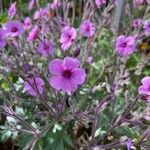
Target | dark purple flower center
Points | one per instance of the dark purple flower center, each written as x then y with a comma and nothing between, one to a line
46,47
67,73
69,36
124,44
87,28
28,23
14,29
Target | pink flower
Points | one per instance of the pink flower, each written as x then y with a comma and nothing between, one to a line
27,23
32,4
137,23
34,86
147,27
68,35
33,34
45,48
87,29
37,15
14,28
12,10
66,74
100,2
2,38
125,46
144,89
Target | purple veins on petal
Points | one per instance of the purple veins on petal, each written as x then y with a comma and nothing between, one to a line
66,74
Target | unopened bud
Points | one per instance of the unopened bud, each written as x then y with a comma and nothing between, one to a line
77,52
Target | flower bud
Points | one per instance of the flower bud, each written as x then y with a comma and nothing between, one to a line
76,52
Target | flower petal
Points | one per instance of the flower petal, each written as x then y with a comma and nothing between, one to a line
32,92
144,90
66,45
55,66
146,81
71,62
130,40
68,85
27,86
55,82
79,76
73,33
39,81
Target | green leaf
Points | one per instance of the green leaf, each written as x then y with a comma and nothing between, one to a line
68,140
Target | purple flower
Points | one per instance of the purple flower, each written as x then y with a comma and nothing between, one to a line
66,74
45,48
137,23
125,46
2,38
138,2
12,10
32,4
33,34
27,23
34,86
14,28
87,29
147,27
129,144
37,14
144,89
45,13
100,2
68,35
